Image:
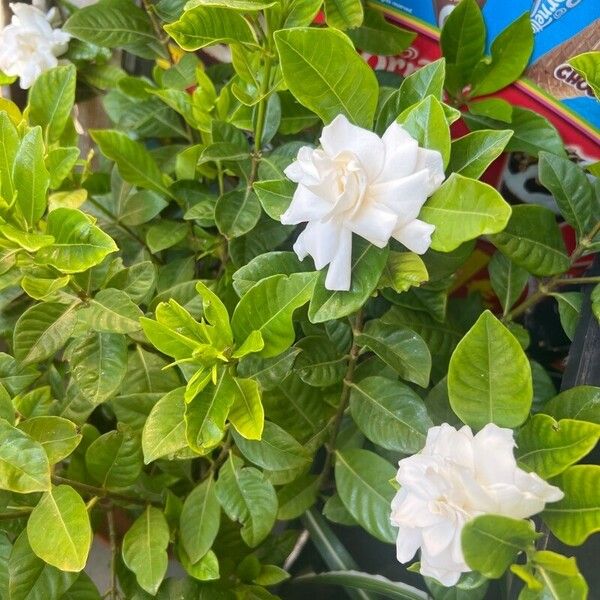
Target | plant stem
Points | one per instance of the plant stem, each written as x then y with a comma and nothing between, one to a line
578,281
15,514
344,400
164,40
112,536
101,492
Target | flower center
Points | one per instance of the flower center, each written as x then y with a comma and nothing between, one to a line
350,183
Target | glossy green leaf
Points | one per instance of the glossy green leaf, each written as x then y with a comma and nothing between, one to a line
328,88
60,163
559,577
268,308
473,153
31,177
581,403
508,280
137,281
491,543
58,436
377,36
98,364
344,14
574,518
59,529
463,209
320,363
165,233
588,64
112,311
268,372
368,263
362,482
402,349
237,212
9,138
83,589
297,497
204,26
569,309
115,459
510,53
51,100
24,466
42,330
247,414
145,549
390,414
402,271
276,450
275,195
141,207
78,243
164,430
248,498
136,165
571,189
548,447
200,518
489,379
533,241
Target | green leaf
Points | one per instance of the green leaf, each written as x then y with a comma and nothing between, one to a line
548,447
115,459
489,379
268,308
145,549
112,311
491,543
426,122
136,281
83,589
248,498
276,450
574,518
237,212
240,5
345,86
368,263
164,430
206,413
473,153
24,466
402,349
559,576
510,53
30,578
463,209
343,14
247,414
336,512
377,36
588,64
571,189
98,365
57,436
114,24
508,280
581,403
31,177
275,196
533,241
462,41
366,582
204,26
141,207
9,143
165,233
297,497
426,81
200,519
78,243
136,165
320,363
51,100
60,162
301,13
42,330
569,309
59,529
268,372
402,271
362,482
390,414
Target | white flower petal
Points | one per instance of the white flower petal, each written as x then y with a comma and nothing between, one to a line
407,543
404,196
340,268
400,153
320,240
342,136
375,224
416,235
446,571
305,206
432,162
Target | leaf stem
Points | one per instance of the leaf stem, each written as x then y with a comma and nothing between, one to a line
101,492
112,536
15,514
344,400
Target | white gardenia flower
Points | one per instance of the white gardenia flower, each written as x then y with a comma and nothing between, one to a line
358,182
29,45
456,477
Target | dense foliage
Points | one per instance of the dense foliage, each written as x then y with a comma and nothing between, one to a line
175,378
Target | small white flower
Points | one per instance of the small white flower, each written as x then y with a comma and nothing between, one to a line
357,182
456,477
29,45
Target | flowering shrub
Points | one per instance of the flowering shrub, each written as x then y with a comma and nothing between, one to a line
233,322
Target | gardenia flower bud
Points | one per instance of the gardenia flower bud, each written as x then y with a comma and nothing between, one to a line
29,45
357,182
456,477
